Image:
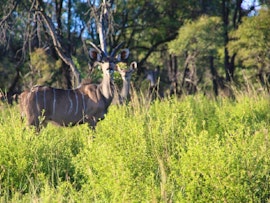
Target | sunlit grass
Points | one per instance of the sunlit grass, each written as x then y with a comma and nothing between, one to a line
192,149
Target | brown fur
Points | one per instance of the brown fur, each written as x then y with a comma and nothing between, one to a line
62,109
125,74
85,104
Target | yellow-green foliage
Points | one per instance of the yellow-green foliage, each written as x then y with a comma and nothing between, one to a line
252,40
7,73
198,37
43,66
180,150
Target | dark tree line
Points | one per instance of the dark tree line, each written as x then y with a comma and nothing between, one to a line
46,42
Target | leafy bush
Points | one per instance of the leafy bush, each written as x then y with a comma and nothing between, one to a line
180,150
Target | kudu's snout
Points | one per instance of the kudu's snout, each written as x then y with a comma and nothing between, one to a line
111,71
111,68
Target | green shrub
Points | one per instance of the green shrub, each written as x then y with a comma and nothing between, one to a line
181,150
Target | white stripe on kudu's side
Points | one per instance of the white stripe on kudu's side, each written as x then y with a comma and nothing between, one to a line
92,100
77,102
83,102
71,103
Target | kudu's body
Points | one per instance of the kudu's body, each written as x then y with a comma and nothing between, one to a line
125,74
86,104
154,89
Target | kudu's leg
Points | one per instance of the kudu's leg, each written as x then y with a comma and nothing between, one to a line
91,123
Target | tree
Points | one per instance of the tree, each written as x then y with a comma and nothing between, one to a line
146,26
251,42
62,27
13,26
198,43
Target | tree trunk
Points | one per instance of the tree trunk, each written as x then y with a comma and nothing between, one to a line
173,72
12,93
225,17
58,12
214,75
69,27
237,17
67,75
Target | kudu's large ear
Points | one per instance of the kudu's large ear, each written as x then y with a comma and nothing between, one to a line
94,54
123,55
133,66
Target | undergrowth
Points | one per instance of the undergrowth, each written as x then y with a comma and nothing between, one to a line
192,149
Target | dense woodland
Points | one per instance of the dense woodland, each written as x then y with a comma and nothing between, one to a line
214,47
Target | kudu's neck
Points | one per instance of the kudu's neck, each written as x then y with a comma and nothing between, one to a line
125,89
106,87
151,78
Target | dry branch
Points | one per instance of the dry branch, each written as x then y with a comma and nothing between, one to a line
59,48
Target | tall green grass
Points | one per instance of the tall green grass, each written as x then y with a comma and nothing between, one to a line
178,150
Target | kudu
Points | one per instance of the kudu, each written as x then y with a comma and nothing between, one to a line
153,77
125,74
86,104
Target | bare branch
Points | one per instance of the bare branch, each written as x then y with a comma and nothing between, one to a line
104,21
4,24
59,49
14,6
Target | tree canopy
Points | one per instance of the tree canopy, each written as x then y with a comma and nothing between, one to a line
199,37
46,42
251,41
